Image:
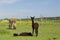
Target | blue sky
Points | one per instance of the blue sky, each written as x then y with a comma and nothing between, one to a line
24,8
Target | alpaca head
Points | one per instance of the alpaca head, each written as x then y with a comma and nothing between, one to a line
32,17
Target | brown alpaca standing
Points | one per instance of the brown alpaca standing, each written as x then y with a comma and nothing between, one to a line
12,23
34,26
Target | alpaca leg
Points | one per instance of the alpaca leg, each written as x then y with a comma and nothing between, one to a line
36,31
14,25
10,26
32,30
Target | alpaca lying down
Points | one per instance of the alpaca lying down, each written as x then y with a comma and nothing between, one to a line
23,34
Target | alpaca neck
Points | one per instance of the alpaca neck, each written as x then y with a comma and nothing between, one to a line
32,22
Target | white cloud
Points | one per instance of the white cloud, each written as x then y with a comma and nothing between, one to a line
7,1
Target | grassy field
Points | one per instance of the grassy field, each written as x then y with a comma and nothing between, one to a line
48,30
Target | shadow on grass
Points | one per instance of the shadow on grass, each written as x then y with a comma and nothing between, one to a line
23,34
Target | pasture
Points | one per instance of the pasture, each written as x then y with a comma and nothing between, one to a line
48,30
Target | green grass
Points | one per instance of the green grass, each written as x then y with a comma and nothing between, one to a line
47,31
